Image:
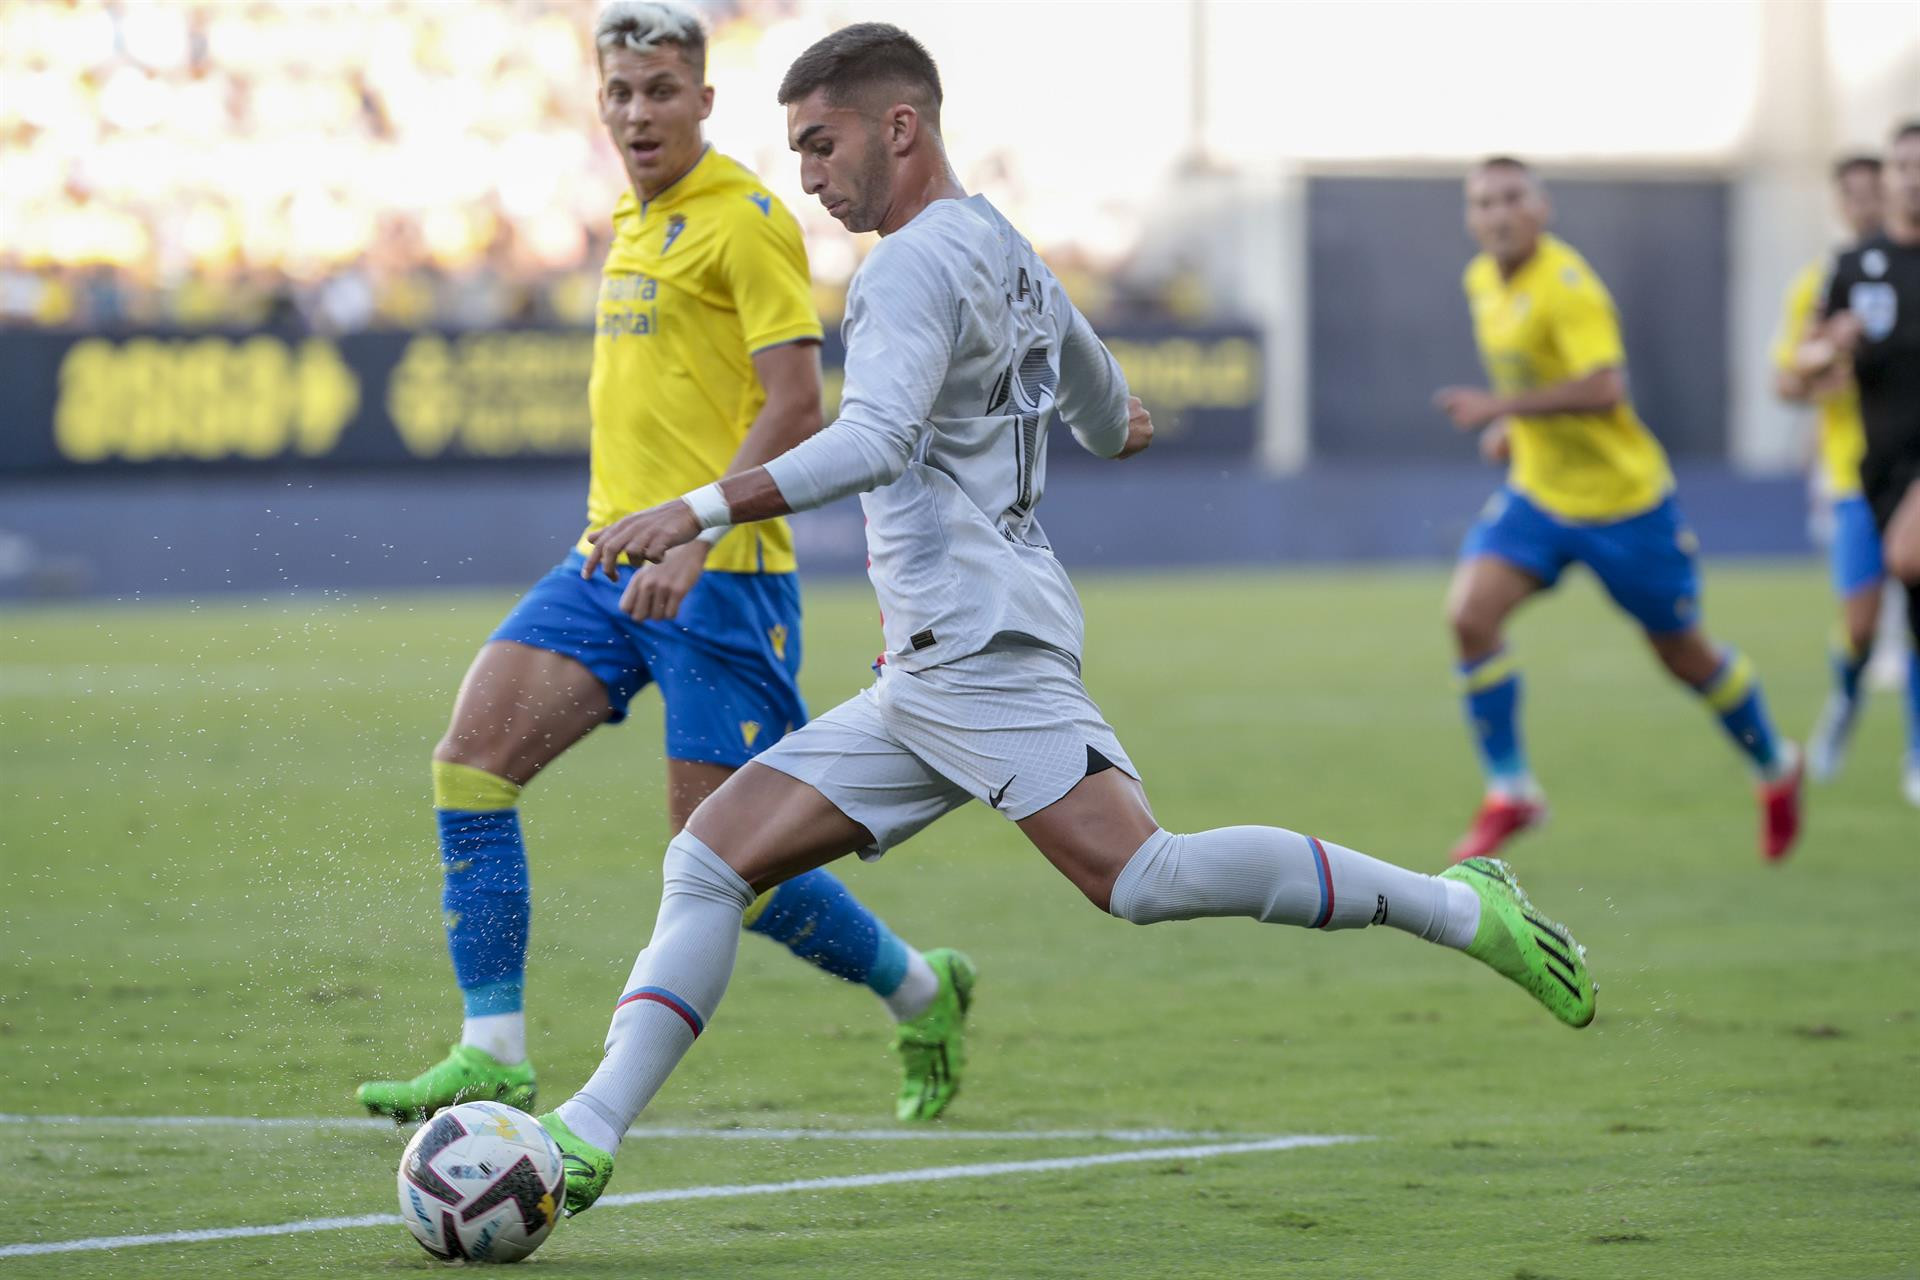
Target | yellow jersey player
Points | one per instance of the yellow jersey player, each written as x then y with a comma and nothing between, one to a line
1858,571
705,362
1588,484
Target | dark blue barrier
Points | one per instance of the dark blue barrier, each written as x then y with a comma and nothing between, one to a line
203,535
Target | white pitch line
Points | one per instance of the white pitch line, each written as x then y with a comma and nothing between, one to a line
942,1173
658,1132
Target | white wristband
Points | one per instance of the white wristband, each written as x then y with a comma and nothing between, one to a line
709,506
713,535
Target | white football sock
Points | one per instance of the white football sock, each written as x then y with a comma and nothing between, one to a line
916,991
504,1035
675,986
1283,877
1520,786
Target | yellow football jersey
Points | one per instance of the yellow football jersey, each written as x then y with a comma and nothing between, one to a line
1843,440
1554,322
699,279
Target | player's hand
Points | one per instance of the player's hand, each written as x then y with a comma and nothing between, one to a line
1844,330
656,590
1139,429
1496,444
644,536
1470,408
1831,381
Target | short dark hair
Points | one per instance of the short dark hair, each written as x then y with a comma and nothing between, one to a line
1506,162
1909,129
858,59
1512,164
1859,162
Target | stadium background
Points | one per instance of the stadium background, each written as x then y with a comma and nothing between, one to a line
292,293
292,339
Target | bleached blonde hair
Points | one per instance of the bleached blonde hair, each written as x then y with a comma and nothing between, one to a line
642,26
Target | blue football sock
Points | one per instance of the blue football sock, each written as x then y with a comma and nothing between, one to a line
487,900
816,918
1733,691
1913,703
1491,689
1848,666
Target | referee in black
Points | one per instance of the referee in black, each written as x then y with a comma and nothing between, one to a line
1873,317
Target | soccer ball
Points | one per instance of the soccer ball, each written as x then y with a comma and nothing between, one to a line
481,1182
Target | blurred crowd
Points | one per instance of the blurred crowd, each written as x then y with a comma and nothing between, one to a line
336,166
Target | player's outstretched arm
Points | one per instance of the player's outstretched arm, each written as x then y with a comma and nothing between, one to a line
648,535
903,315
765,268
900,330
1471,408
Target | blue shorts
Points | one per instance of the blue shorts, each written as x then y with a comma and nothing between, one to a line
1855,553
1646,562
728,667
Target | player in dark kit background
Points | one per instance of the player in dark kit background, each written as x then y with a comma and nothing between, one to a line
1873,319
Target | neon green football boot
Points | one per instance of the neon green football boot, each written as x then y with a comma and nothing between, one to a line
932,1047
468,1074
588,1167
1517,941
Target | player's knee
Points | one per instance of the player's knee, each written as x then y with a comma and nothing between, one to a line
1903,560
1475,629
693,869
1141,893
456,747
475,747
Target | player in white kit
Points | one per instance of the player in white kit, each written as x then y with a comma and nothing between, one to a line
961,346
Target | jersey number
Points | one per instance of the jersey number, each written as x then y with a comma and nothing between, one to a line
1030,380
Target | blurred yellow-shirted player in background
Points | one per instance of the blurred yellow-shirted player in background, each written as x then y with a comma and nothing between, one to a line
1859,574
1589,485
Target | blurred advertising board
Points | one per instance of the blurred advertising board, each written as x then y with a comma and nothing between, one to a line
79,404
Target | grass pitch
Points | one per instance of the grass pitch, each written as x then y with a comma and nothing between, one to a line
220,897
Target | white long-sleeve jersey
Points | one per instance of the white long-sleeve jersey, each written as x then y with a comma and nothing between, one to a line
961,346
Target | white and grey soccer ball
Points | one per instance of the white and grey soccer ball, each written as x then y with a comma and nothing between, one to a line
481,1182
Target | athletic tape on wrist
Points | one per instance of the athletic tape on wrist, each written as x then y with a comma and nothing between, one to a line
709,506
713,535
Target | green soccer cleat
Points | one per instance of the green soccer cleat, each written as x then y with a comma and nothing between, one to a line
1515,940
588,1167
932,1047
468,1074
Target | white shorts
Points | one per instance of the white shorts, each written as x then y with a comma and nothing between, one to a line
1012,728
